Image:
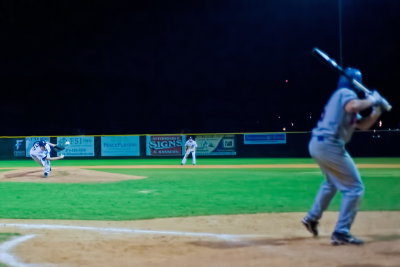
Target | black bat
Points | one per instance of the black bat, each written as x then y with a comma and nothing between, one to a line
332,63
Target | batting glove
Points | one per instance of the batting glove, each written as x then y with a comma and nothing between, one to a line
385,105
375,98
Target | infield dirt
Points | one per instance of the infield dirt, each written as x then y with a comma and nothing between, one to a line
279,240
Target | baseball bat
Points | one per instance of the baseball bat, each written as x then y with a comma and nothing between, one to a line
332,63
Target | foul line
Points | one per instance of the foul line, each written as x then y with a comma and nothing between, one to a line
11,260
229,237
6,257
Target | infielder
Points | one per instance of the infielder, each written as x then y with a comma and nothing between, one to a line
327,147
40,152
190,147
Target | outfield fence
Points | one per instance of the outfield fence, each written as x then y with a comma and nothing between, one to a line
385,143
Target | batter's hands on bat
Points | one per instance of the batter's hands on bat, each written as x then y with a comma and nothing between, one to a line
379,100
375,98
385,104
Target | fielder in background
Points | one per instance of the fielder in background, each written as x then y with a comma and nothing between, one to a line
40,152
327,147
190,147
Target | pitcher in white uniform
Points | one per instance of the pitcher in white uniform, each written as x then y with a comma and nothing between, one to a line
40,152
190,146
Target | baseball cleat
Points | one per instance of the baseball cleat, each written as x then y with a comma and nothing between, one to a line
311,226
344,239
46,174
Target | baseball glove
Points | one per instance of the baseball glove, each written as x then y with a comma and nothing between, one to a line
61,147
58,148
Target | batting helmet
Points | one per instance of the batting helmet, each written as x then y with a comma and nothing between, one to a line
351,72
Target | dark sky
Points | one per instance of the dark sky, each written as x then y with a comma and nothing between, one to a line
136,67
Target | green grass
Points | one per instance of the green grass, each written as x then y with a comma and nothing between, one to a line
188,192
6,236
176,161
162,161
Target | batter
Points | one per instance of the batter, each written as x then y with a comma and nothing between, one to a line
327,147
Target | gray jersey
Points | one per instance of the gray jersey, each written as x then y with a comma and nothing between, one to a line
335,123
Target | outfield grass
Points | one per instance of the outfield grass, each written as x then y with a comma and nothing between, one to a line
177,161
6,236
187,191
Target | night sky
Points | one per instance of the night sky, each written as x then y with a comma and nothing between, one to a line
142,67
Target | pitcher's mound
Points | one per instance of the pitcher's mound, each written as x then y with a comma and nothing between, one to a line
64,175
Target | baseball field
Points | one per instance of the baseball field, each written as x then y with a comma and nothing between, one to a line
220,212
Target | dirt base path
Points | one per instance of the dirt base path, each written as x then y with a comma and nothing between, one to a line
276,239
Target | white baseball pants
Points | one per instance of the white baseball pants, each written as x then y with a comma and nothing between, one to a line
187,154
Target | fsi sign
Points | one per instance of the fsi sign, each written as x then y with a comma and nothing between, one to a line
80,146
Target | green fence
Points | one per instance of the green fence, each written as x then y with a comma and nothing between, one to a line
279,144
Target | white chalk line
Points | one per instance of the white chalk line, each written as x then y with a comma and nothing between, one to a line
11,260
230,237
7,257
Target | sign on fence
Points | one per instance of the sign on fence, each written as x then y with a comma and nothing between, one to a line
120,146
216,145
80,146
269,138
168,145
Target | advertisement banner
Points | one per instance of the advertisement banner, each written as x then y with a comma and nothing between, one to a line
120,146
80,146
29,141
269,138
171,145
216,145
19,148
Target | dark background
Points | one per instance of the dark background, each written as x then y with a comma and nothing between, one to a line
136,67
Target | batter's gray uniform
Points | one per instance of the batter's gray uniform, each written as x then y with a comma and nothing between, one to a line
190,146
327,147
